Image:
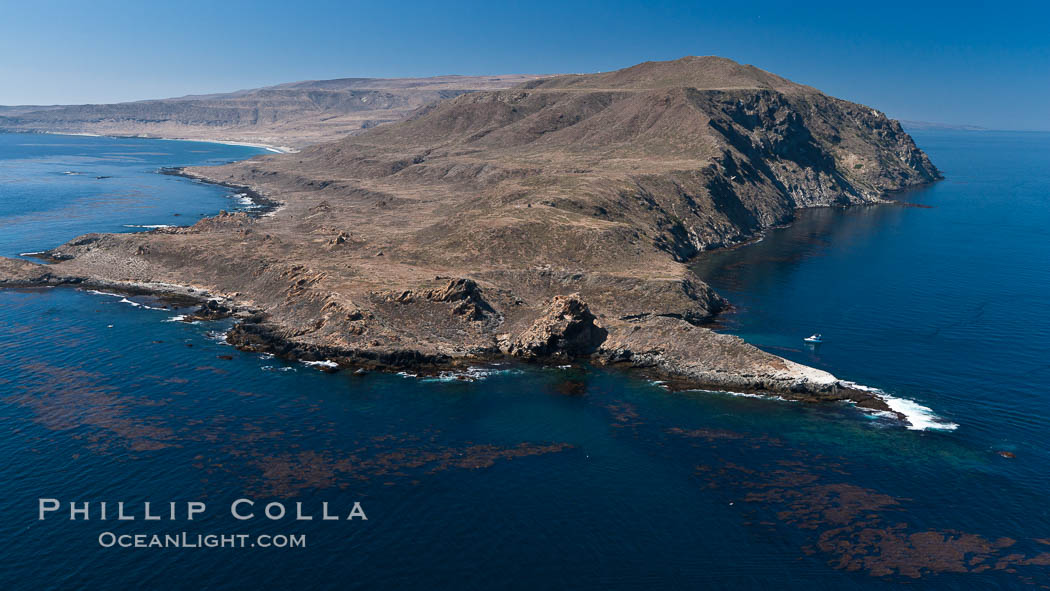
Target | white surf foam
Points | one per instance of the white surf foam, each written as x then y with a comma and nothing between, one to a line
245,201
326,363
149,226
470,374
917,416
124,300
218,336
743,394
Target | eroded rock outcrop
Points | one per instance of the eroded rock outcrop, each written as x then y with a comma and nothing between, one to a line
210,310
466,297
566,329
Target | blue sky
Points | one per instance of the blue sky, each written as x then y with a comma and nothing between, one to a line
973,63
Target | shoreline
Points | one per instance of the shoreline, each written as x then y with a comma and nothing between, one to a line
265,206
253,334
269,147
241,336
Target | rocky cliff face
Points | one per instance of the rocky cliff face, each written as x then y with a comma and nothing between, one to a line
551,220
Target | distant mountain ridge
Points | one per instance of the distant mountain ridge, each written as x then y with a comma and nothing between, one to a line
909,124
293,114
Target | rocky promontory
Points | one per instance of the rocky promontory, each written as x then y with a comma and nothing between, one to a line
551,221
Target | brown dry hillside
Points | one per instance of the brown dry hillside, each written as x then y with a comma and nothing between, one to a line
549,219
658,149
293,114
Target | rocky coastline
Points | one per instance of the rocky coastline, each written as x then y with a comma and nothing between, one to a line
550,223
261,204
567,333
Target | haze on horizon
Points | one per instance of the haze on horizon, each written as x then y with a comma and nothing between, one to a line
943,62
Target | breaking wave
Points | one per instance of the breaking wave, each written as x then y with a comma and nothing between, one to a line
917,416
470,374
245,201
738,394
123,299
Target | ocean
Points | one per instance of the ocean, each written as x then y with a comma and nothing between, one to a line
516,476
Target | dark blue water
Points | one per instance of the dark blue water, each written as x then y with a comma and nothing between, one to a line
549,477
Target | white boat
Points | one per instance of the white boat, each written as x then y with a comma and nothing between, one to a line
815,339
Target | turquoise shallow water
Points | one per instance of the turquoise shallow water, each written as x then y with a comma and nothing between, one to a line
548,477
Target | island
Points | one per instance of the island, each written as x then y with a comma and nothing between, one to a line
549,222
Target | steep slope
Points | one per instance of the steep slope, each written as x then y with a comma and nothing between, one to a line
548,220
294,114
691,167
